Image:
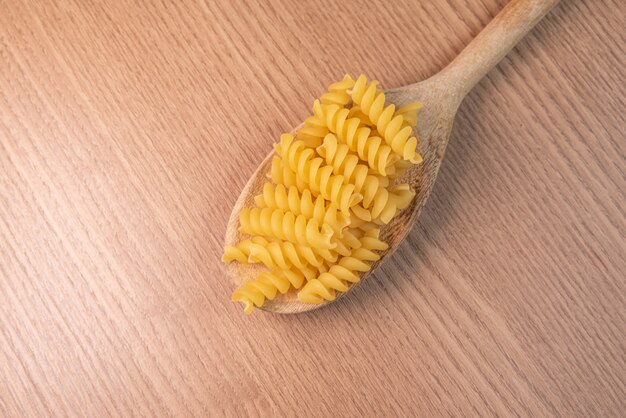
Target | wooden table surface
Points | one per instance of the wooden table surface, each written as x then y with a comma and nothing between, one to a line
127,131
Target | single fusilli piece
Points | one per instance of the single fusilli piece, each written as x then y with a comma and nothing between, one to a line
265,286
241,251
362,225
278,254
395,132
275,223
371,149
345,272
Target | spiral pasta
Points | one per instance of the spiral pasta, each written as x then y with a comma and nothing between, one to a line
395,133
265,286
241,251
380,203
284,255
320,178
338,92
339,276
281,254
315,225
399,169
277,197
362,225
313,129
356,112
348,242
285,226
359,138
409,112
280,173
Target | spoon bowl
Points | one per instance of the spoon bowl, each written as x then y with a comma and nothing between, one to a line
440,96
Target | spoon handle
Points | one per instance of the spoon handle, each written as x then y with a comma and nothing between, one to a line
491,45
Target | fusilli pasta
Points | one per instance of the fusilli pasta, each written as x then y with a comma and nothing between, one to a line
320,178
313,129
315,226
359,138
344,272
265,286
283,254
395,132
280,173
286,226
380,203
277,197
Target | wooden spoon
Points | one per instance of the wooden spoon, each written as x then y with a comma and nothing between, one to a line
441,95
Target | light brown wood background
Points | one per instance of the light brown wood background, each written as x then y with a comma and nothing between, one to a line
128,128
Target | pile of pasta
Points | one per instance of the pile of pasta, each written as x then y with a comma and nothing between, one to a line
317,223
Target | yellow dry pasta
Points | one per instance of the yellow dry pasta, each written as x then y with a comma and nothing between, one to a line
409,112
314,129
277,197
360,139
283,254
395,132
378,202
348,242
320,177
315,226
280,173
275,223
265,286
338,92
340,275
356,112
241,251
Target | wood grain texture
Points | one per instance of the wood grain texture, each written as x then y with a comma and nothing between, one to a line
127,131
